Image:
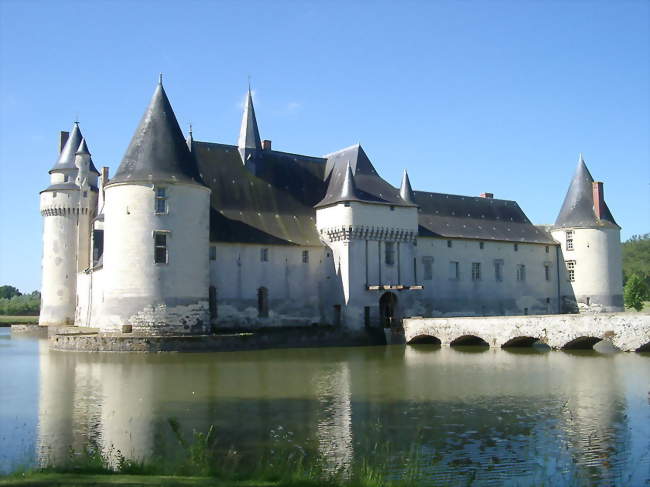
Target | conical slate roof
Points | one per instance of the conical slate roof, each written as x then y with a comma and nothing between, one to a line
158,151
405,190
341,189
578,207
66,157
249,135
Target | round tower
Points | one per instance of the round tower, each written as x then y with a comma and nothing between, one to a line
156,233
61,204
591,247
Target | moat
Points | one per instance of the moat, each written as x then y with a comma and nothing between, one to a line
497,416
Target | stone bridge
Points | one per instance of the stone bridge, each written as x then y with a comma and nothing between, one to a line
626,331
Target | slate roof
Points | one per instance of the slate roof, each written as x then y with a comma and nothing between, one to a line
578,207
249,135
65,161
158,151
274,206
454,216
277,204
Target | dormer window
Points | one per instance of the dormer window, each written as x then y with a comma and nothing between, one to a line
161,201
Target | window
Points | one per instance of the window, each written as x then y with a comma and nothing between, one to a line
454,270
449,243
521,272
516,247
481,245
264,255
476,271
337,315
498,270
213,252
66,178
160,247
547,272
389,253
161,201
569,239
392,208
98,245
347,204
571,269
427,264
547,249
85,194
263,302
305,256
366,316
212,301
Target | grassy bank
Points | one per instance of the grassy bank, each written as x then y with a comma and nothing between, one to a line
79,480
17,320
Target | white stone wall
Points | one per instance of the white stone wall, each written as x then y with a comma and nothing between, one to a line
90,298
598,281
446,295
298,292
156,298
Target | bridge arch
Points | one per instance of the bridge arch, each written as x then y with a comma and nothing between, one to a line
581,343
424,340
469,340
522,341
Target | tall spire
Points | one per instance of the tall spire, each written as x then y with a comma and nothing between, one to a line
578,207
158,151
348,188
405,190
249,135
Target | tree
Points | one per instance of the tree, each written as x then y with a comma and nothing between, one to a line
636,258
635,292
9,292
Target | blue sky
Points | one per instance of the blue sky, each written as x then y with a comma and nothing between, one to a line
469,96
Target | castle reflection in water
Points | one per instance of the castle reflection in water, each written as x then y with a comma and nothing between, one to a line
498,414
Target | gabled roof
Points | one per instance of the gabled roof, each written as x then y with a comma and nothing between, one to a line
370,187
158,151
578,207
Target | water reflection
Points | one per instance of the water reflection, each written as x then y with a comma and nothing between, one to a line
484,413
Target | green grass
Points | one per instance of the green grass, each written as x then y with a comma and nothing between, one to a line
71,479
18,320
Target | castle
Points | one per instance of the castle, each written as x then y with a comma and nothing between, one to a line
189,236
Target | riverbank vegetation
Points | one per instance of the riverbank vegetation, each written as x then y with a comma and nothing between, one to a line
14,303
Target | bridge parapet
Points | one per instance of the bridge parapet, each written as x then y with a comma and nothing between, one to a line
626,331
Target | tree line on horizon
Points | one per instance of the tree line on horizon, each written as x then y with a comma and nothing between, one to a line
15,303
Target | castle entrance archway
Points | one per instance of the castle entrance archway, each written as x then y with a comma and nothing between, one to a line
388,309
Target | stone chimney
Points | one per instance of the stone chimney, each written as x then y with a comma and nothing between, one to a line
266,145
487,195
63,138
599,198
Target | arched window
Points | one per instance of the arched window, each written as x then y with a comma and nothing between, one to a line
263,302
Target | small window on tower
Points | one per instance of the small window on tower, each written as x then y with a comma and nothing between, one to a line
569,240
305,256
481,245
66,178
264,255
571,269
521,272
161,201
160,247
547,272
390,253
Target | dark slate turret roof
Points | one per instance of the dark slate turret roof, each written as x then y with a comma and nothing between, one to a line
405,190
370,187
578,207
65,162
158,151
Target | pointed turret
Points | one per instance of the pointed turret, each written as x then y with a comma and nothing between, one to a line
341,188
578,208
158,151
348,188
249,135
190,139
405,190
66,157
83,147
